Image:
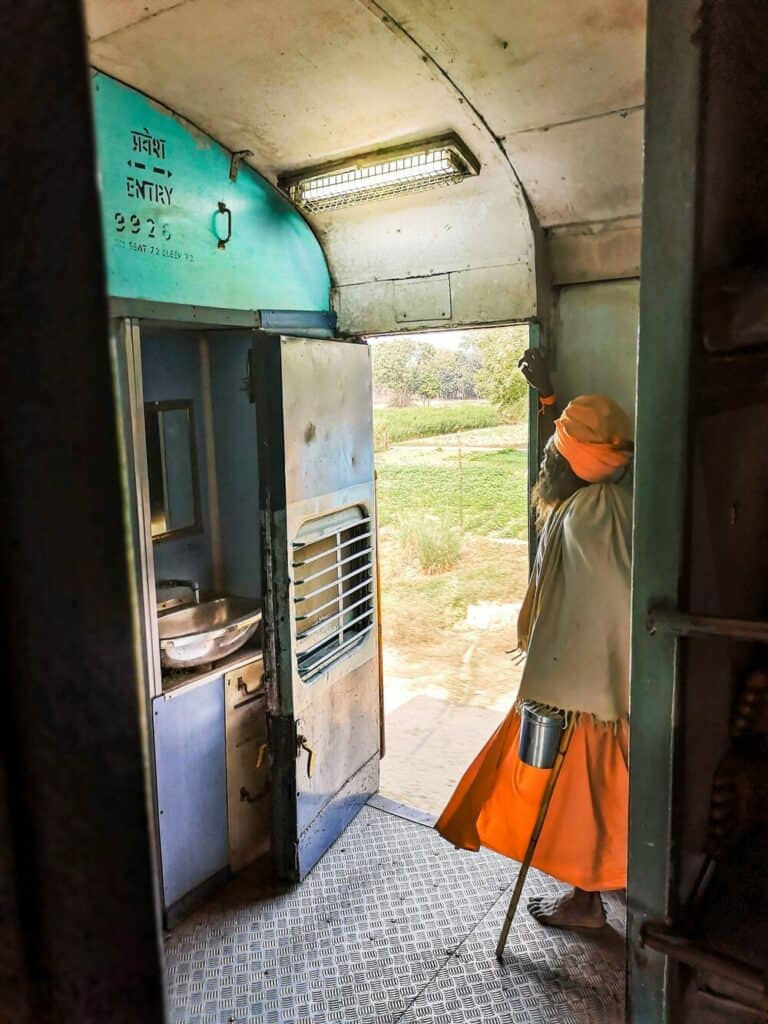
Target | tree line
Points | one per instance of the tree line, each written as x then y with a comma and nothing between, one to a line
484,365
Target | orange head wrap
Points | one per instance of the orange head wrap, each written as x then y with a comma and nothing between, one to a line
594,436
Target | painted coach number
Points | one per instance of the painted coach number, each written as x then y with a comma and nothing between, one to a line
133,224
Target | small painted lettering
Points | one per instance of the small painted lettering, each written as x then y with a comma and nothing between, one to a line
163,171
140,188
146,142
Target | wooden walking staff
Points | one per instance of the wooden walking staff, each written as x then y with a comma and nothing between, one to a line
562,750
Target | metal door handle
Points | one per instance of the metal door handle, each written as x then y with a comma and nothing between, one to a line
260,755
301,744
223,208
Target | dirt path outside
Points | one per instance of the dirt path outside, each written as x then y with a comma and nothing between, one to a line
449,675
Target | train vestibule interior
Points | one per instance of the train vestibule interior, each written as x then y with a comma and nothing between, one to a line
261,191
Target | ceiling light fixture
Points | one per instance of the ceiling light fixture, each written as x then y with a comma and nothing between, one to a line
381,174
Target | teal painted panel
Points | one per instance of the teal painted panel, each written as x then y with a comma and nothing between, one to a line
161,182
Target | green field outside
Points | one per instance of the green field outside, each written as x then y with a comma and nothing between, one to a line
393,426
489,488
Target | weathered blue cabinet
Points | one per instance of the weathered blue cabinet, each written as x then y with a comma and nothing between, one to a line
191,766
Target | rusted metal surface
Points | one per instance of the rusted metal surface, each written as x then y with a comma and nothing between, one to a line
74,749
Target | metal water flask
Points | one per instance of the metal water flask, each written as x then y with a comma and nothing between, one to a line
540,732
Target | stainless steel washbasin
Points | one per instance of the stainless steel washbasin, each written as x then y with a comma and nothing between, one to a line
200,633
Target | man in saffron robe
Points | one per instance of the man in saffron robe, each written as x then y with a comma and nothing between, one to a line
574,628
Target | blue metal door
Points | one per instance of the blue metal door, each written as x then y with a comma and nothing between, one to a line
313,401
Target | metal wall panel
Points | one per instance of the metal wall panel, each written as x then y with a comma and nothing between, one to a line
596,341
161,185
423,299
237,463
171,370
500,293
595,252
191,786
344,719
328,418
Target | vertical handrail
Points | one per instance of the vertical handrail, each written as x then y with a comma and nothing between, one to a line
379,633
534,341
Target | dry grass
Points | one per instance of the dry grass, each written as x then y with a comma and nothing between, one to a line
431,541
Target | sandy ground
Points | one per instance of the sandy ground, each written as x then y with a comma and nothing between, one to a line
447,686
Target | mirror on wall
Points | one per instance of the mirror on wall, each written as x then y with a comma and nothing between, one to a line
174,492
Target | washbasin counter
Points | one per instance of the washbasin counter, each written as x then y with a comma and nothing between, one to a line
175,680
206,632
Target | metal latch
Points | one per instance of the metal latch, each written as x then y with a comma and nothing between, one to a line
234,162
245,794
251,798
302,744
661,619
243,687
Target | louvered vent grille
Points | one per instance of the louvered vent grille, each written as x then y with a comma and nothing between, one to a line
333,589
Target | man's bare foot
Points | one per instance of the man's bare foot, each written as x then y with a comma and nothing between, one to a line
578,909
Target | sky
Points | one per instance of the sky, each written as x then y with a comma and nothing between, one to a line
450,340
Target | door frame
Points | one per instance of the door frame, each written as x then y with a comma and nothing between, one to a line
661,471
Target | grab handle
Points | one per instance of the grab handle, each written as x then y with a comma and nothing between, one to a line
223,208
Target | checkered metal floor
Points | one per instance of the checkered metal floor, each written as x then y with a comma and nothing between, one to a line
393,925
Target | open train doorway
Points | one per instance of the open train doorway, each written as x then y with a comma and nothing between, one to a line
451,436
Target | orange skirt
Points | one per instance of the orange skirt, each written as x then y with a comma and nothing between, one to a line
584,838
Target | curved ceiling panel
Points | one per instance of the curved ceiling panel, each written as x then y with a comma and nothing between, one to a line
538,91
299,82
584,170
527,65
